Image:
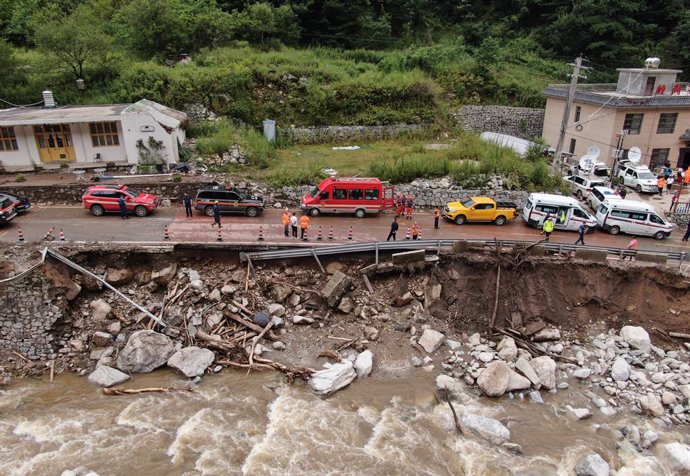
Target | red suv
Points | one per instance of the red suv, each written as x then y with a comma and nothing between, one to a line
103,198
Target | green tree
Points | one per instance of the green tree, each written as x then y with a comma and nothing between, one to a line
75,39
261,22
153,27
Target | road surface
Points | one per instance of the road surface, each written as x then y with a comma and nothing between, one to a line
77,224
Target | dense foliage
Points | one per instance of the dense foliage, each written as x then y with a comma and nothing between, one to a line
311,62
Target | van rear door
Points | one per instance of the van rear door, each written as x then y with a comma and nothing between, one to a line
388,198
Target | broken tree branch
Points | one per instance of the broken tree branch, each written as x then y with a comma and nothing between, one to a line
256,341
133,391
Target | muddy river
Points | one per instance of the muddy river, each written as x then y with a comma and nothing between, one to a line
237,424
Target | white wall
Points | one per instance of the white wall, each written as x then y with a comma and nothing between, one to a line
27,149
142,126
85,151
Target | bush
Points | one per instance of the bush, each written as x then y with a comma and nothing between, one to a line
20,178
177,178
292,177
407,169
218,139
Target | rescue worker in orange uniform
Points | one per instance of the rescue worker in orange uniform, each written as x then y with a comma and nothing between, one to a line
437,215
661,184
415,231
286,222
304,224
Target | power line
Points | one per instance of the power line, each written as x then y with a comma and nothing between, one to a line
21,105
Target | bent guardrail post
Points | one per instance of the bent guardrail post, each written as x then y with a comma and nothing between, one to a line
377,252
313,252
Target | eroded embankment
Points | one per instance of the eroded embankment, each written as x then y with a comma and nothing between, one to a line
54,312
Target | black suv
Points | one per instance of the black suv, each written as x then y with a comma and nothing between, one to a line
21,204
230,200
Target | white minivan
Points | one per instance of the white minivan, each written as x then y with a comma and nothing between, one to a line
566,211
633,217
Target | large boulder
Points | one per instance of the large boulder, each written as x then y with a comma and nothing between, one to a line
636,337
105,376
145,351
651,404
337,285
364,363
191,361
119,276
164,275
545,368
517,382
592,465
494,379
677,456
333,377
486,428
526,369
620,370
448,383
431,340
280,292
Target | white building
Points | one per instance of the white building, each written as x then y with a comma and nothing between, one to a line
90,136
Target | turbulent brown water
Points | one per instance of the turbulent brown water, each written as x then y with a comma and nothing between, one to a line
237,424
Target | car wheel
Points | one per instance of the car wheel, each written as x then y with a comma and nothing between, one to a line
500,221
659,235
614,230
460,219
578,194
360,212
252,212
140,211
97,210
315,212
208,211
638,189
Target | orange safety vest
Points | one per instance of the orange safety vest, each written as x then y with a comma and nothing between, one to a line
286,219
661,183
437,214
687,175
415,231
304,222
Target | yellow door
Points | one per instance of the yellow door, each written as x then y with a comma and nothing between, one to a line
54,143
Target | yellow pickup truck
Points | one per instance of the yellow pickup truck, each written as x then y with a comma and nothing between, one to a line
480,209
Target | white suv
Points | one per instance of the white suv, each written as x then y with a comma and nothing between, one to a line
599,194
582,186
639,177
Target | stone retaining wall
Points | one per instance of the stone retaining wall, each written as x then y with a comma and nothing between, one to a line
348,135
29,312
526,123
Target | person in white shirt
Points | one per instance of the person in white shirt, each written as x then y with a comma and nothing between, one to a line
293,224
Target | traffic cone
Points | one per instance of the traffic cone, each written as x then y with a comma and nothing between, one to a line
166,236
304,238
62,235
21,235
319,236
261,233
420,233
330,233
219,238
349,233
49,235
407,235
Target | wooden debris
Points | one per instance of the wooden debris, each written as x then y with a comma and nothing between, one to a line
442,394
534,327
530,347
331,354
368,284
20,356
256,341
258,329
291,373
679,335
52,370
133,391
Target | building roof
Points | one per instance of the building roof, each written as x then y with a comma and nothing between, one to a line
606,95
521,146
167,117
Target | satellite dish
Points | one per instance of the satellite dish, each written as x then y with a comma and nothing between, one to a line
594,152
634,155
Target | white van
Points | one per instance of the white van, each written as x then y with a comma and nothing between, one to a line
566,211
633,217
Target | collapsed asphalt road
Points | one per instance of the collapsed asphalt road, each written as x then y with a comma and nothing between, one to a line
78,225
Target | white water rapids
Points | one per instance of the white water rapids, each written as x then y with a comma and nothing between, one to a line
233,424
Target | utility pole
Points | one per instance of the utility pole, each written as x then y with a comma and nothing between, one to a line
558,160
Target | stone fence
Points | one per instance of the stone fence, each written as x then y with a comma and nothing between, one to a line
523,122
348,134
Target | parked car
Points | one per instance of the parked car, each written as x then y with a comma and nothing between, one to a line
566,211
101,199
582,186
7,210
633,217
480,209
230,200
599,194
358,195
638,177
21,203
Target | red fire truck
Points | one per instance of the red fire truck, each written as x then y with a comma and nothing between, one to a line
356,195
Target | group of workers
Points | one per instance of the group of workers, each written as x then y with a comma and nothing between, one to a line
291,223
404,206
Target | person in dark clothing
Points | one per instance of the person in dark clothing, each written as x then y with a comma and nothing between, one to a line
622,192
582,231
687,234
216,215
187,200
437,215
123,207
394,229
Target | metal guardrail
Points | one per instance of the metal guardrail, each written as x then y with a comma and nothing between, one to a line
437,245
